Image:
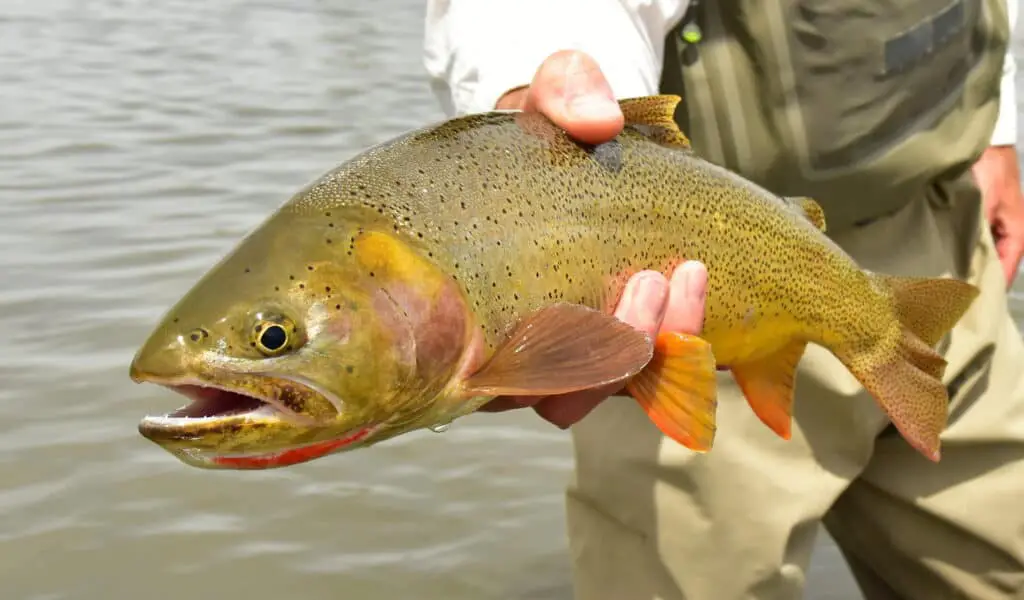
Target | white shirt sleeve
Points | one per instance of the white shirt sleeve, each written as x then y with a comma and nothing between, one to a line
476,50
1005,133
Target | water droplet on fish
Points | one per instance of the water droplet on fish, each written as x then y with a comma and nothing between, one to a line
441,427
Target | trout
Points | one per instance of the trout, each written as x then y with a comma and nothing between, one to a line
484,256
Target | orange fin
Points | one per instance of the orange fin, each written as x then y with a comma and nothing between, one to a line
768,386
562,348
679,391
655,117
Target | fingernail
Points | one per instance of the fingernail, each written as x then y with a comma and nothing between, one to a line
694,282
593,107
650,298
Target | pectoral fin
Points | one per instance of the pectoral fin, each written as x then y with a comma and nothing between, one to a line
678,390
768,386
559,349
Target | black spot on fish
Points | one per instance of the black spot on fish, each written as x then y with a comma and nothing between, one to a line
349,369
290,398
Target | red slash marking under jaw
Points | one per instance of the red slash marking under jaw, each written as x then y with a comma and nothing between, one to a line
290,457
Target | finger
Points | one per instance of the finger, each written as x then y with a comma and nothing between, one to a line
571,90
565,410
644,300
1010,259
686,299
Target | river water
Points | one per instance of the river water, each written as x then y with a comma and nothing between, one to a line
138,142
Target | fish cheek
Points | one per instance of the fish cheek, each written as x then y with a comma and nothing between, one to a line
436,320
365,357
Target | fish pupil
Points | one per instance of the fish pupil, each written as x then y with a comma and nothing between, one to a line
273,337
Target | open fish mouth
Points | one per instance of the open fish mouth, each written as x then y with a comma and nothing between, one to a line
226,428
210,404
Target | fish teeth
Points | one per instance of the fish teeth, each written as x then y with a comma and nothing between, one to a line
168,421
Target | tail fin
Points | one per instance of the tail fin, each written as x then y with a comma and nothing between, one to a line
904,373
928,307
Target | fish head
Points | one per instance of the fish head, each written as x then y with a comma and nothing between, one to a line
322,331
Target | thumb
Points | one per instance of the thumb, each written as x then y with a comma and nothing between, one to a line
570,89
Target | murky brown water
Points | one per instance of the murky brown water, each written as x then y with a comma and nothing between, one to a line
138,142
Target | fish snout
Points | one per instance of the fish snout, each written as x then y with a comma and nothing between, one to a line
160,358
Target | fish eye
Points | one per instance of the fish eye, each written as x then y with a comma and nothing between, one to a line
198,335
273,336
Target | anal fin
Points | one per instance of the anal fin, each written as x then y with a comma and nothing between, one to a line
768,385
678,390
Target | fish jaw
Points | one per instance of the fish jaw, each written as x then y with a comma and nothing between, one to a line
231,427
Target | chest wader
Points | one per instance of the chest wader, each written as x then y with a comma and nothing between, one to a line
860,104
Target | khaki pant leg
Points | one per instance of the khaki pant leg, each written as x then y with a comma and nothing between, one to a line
952,530
649,519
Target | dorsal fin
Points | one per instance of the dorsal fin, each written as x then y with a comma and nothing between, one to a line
811,209
655,116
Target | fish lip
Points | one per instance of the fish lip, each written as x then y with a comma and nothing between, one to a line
212,459
166,422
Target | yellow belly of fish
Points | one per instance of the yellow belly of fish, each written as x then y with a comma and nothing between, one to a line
738,341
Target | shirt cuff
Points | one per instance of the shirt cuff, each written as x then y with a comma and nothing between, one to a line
1005,133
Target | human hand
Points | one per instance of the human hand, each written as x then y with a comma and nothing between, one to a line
570,89
998,177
